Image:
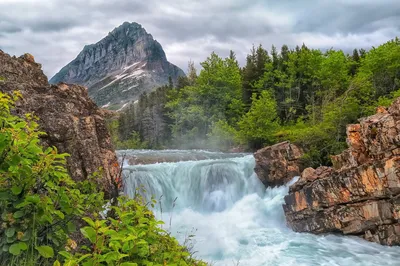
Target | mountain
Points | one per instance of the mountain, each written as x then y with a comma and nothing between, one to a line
120,67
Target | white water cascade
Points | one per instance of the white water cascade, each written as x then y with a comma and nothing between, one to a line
236,221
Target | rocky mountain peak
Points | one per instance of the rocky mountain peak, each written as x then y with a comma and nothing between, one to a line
120,67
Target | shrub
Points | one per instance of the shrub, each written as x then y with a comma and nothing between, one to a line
38,200
41,206
134,237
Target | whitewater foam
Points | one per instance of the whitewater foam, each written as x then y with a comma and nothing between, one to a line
237,222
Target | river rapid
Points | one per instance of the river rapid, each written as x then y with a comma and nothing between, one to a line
234,219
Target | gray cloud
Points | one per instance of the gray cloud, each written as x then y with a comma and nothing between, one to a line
350,17
52,25
6,27
55,31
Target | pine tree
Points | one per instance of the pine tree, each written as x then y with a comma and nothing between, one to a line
170,82
355,64
356,56
262,58
362,53
182,82
192,73
275,58
248,77
284,56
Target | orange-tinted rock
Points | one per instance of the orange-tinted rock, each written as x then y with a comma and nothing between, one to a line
278,164
28,57
381,110
360,195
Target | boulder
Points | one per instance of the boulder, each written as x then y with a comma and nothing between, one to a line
278,164
360,194
71,120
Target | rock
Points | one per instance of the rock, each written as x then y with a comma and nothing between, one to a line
278,164
72,121
28,57
120,67
360,195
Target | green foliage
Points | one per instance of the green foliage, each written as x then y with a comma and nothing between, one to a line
302,94
134,236
144,123
378,75
41,207
37,197
260,121
317,94
132,141
213,96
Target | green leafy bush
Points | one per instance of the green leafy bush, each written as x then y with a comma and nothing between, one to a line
38,200
134,237
41,207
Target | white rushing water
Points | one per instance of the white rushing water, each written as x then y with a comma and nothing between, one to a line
237,222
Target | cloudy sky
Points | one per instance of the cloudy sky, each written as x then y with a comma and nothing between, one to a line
55,31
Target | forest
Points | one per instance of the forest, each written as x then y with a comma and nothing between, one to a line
303,95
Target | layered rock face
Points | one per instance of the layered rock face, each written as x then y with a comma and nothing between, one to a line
360,195
72,121
278,164
120,67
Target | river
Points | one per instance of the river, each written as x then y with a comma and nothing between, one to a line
219,208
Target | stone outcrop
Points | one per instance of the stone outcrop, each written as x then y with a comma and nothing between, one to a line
360,195
278,164
120,67
72,121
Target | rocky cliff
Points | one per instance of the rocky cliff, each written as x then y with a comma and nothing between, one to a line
72,121
278,164
120,67
360,195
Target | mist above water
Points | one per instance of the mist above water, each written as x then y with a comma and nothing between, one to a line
235,220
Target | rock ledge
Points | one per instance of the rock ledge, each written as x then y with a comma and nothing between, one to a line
360,195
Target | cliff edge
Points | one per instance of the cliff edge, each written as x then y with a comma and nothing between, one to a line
72,121
360,194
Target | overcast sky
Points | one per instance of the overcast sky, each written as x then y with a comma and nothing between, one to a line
55,31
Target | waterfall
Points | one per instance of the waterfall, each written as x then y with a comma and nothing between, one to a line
204,186
236,221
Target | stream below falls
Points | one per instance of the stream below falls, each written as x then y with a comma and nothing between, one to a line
234,219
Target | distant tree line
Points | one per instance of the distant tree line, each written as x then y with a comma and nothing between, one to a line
303,95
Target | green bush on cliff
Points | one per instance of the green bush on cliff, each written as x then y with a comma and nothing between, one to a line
41,207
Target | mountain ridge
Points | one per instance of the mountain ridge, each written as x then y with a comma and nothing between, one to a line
120,67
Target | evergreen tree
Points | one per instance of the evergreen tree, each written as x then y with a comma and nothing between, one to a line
182,82
192,73
355,64
362,53
249,76
275,58
170,82
262,58
284,57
